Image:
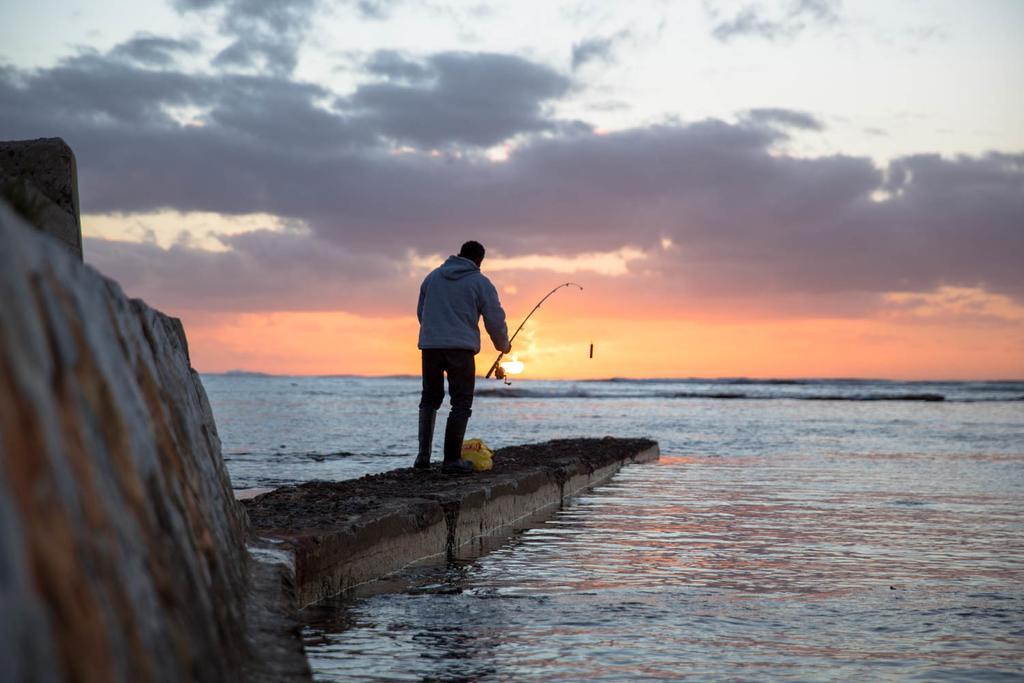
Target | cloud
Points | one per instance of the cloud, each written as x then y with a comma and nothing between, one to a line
376,9
467,98
151,50
474,99
597,48
393,65
93,90
953,305
793,18
786,118
266,34
614,263
744,225
262,271
744,222
249,111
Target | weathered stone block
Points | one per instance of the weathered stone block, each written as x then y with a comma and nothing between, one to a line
39,178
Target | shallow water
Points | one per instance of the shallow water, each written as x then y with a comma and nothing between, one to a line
279,430
783,539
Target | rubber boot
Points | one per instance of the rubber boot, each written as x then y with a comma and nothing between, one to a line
426,433
454,433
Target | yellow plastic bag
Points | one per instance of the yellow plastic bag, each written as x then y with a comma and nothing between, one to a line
477,452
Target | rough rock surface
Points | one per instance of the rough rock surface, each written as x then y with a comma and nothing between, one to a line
41,177
122,550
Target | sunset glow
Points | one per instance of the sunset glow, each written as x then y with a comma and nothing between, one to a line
558,346
513,366
546,340
773,189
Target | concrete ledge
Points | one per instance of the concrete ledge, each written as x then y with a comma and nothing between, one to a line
340,535
275,635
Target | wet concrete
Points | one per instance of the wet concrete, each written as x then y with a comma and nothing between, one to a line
341,535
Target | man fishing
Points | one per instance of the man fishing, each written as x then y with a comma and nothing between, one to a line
452,299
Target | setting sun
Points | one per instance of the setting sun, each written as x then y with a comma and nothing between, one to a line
513,366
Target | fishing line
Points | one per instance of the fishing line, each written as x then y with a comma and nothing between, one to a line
494,366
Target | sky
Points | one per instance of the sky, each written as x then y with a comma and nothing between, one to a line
785,188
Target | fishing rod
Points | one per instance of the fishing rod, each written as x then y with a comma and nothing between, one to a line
494,366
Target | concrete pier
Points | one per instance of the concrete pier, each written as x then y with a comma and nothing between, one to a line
337,536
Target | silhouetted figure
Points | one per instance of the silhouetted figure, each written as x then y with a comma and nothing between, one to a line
452,299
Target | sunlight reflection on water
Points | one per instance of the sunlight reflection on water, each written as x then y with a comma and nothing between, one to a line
777,539
716,569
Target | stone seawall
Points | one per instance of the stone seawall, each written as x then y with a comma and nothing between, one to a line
341,535
122,550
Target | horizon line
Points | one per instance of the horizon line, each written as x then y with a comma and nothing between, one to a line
721,378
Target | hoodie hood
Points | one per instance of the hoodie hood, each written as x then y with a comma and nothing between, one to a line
457,267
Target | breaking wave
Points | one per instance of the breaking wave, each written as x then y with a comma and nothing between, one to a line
510,392
763,391
816,397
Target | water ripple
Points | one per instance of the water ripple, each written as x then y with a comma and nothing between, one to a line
718,570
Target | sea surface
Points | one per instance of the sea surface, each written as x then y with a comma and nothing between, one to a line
793,530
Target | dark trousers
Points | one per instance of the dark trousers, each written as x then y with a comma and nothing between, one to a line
460,365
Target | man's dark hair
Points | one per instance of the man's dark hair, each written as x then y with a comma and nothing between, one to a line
474,251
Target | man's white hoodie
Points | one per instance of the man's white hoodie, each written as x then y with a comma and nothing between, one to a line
453,297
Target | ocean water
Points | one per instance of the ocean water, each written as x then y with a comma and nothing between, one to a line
817,530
